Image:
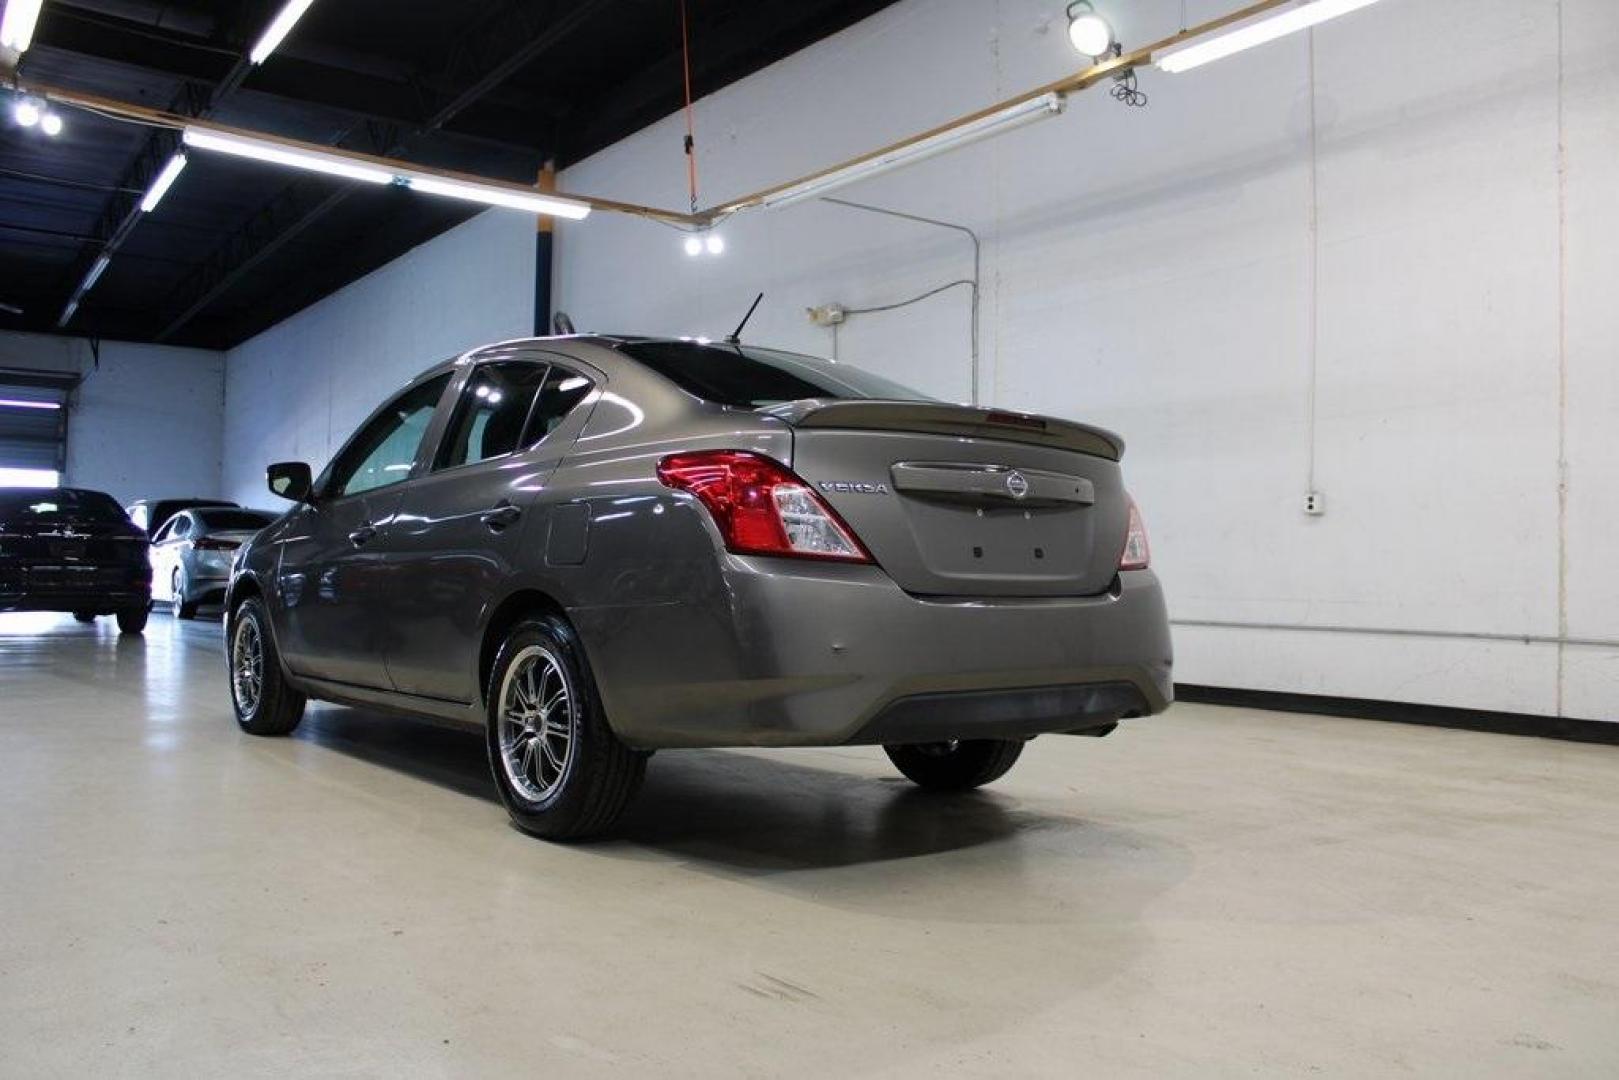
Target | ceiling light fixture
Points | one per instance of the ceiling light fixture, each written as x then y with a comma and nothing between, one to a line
279,28
1261,31
160,186
51,124
26,112
496,196
17,25
1089,33
714,244
15,403
276,154
98,268
694,246
993,123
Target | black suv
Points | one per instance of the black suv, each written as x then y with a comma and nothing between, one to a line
68,549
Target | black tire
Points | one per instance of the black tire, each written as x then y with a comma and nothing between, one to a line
955,766
132,620
177,602
278,707
598,776
84,616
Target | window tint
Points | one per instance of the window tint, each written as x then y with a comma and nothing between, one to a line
562,392
65,505
179,526
164,533
383,452
750,378
235,519
489,417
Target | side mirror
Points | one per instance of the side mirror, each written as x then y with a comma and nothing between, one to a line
291,480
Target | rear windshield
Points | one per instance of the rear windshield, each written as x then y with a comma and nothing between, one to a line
750,378
234,519
44,505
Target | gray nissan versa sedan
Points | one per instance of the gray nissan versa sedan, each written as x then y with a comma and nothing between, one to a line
597,547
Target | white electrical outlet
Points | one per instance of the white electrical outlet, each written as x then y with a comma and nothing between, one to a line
1315,503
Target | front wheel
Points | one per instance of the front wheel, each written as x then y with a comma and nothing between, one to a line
84,617
957,765
561,772
266,704
132,620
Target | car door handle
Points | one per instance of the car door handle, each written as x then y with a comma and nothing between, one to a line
363,535
501,517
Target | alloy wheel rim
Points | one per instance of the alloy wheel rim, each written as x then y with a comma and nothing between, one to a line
537,721
247,665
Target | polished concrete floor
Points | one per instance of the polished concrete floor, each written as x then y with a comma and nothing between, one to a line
1210,893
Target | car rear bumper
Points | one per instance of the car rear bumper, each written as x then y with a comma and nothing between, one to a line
774,654
96,601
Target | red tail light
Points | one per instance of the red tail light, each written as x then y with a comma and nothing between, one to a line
208,543
760,507
1137,555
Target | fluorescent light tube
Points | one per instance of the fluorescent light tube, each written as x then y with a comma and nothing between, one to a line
279,28
1259,32
96,270
160,186
1024,112
13,403
277,154
67,312
497,196
17,25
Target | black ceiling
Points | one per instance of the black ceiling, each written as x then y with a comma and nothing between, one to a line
493,87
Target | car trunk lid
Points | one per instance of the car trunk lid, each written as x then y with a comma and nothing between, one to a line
959,501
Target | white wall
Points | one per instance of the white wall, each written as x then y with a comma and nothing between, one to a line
297,390
146,423
1407,219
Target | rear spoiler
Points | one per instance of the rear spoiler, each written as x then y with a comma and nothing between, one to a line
932,418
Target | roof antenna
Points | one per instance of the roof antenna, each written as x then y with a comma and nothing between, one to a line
561,324
735,336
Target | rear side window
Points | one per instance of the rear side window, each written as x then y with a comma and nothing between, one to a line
561,394
489,418
747,377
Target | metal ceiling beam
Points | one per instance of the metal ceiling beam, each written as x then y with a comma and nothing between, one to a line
122,211
292,78
734,48
481,59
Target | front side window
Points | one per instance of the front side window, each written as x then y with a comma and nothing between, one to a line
385,449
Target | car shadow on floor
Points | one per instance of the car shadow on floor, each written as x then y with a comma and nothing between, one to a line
739,810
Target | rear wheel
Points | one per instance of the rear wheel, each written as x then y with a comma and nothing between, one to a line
177,597
561,772
266,704
83,616
132,620
957,765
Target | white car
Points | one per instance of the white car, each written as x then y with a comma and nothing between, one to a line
192,552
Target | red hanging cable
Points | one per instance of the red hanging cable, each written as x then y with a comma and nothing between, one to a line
691,137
